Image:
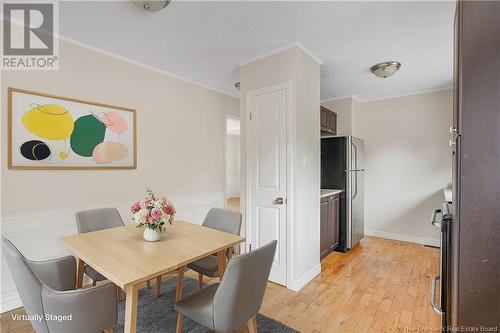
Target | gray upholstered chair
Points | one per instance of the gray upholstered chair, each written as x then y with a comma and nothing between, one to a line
94,220
223,220
47,288
236,300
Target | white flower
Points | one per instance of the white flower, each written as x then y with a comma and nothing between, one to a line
157,204
139,218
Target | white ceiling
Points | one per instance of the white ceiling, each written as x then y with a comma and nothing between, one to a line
204,41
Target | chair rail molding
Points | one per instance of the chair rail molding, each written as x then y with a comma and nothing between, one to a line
36,234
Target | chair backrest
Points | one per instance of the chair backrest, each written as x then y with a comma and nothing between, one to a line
98,219
223,220
28,285
241,291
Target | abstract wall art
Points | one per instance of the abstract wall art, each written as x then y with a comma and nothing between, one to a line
54,132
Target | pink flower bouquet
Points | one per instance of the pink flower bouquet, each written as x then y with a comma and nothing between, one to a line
153,213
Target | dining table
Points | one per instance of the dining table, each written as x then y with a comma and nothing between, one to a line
126,259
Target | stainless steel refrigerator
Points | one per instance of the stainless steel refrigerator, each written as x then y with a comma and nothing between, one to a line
342,167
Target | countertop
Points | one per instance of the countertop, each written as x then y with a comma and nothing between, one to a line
447,194
328,192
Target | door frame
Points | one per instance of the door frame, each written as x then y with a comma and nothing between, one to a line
290,157
226,117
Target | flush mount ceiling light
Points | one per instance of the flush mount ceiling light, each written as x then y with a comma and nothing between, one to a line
385,69
151,5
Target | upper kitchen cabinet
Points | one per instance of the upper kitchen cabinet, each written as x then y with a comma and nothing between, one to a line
328,122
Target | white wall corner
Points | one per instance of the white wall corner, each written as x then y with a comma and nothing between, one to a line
279,50
403,238
297,285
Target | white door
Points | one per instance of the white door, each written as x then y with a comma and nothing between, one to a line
266,161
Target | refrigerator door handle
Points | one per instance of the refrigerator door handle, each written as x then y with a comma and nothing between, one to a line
433,294
355,153
356,185
355,150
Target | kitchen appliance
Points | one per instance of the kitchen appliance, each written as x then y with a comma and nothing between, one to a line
342,168
443,280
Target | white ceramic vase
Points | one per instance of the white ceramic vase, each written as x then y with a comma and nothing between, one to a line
151,235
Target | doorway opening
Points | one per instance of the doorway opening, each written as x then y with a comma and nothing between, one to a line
232,167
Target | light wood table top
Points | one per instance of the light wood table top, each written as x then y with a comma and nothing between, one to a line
124,257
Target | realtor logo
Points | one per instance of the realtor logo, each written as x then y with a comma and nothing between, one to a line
28,36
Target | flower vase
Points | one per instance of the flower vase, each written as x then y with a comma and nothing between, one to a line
151,235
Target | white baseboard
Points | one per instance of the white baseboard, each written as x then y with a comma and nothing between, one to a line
401,237
296,285
36,234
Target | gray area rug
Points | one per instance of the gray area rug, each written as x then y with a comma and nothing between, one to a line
156,314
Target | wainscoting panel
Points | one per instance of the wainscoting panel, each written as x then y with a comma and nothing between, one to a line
36,234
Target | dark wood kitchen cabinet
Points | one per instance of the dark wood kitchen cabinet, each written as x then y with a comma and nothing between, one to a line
329,239
328,122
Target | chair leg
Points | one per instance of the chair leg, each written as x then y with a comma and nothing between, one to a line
108,330
94,283
148,283
180,321
252,324
200,281
158,284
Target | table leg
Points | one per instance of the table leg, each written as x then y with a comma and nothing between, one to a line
180,283
221,259
131,309
118,294
80,264
158,285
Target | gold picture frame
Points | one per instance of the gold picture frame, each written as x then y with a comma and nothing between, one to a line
121,133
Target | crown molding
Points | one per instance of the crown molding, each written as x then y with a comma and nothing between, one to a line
281,49
339,98
358,100
403,95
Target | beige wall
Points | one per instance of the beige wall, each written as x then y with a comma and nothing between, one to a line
343,109
295,66
180,134
407,161
233,163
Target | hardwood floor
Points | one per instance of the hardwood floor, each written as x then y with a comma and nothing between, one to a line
233,204
380,286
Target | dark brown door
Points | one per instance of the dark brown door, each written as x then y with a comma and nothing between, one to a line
332,122
324,118
334,204
325,216
328,121
476,197
329,239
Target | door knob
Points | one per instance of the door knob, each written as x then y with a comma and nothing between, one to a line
279,201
